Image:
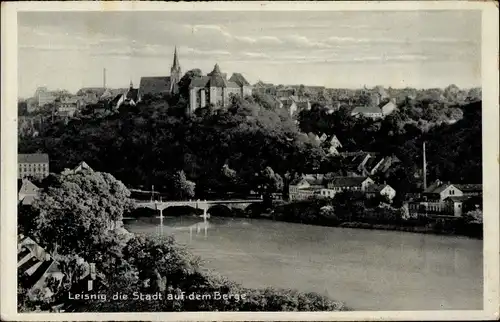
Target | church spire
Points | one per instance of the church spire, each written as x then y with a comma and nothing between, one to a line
175,73
131,84
176,60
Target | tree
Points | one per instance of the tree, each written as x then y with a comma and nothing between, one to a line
183,188
269,182
79,212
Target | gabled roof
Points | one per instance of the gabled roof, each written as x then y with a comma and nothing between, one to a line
33,261
232,85
82,166
116,99
154,85
388,104
346,181
312,179
28,187
438,187
33,158
133,94
239,79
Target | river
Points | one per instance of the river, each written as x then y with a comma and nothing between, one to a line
366,269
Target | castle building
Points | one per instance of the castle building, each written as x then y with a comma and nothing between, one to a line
161,85
214,89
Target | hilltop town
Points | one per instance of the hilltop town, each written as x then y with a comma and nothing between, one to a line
378,158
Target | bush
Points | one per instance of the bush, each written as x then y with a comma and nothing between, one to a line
184,276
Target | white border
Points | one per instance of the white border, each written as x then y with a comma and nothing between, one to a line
491,158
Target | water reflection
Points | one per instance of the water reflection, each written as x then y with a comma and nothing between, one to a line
368,269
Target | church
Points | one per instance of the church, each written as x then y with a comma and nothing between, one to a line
161,85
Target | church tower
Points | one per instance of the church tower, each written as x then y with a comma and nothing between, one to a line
175,74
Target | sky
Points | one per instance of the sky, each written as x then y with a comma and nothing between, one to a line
340,49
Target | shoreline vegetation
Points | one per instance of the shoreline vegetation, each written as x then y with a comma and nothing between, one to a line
420,225
88,243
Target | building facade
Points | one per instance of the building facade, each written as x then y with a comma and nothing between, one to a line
214,89
69,105
33,165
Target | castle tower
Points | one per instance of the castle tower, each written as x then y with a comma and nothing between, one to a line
175,74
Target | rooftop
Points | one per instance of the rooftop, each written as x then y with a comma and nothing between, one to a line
33,158
154,85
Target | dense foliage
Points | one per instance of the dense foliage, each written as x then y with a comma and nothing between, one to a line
239,147
78,221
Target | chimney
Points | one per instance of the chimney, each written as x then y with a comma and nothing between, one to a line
104,78
424,168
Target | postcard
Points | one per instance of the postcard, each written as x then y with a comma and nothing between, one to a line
239,161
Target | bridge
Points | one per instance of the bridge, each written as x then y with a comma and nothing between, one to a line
197,204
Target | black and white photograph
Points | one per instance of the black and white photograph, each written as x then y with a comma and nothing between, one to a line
250,160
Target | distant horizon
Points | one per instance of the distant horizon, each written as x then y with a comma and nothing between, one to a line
284,85
343,50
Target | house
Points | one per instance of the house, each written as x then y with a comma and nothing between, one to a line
302,103
332,144
323,137
264,88
279,103
368,163
378,107
338,184
286,92
90,95
161,85
305,187
214,89
386,190
373,112
289,105
454,206
44,97
35,266
27,192
447,199
129,98
30,125
246,88
33,165
111,93
439,191
69,105
82,166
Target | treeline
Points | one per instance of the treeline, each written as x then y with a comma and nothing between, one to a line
454,151
217,149
254,146
77,219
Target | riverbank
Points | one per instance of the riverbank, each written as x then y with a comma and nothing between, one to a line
315,213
